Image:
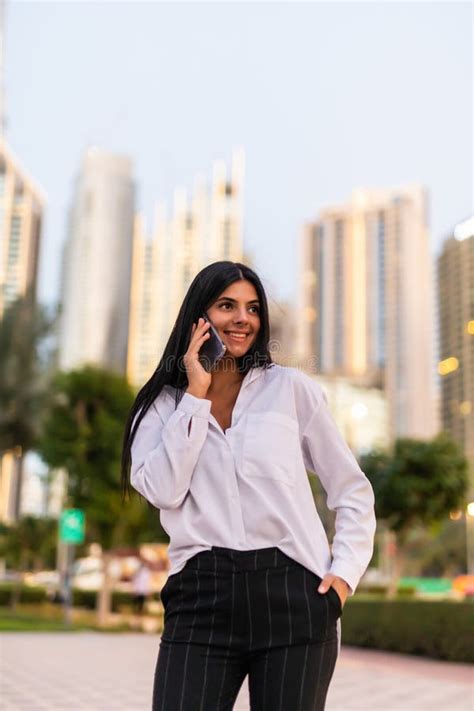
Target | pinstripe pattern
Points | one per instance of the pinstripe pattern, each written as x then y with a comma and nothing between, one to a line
290,626
210,635
321,656
230,638
303,676
190,638
303,673
169,655
305,586
282,682
270,634
249,609
233,613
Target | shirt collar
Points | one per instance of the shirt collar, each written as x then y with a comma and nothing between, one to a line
252,375
255,373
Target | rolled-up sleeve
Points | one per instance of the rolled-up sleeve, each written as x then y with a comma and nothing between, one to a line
349,492
164,454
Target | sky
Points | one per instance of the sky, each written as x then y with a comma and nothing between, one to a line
323,97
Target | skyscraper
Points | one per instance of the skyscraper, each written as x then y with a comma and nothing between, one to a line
366,299
21,212
197,233
96,270
456,336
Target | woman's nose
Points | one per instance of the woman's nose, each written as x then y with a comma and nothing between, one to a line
241,317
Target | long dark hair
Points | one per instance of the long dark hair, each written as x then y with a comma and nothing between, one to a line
206,288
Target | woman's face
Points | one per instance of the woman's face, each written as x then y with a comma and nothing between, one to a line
236,311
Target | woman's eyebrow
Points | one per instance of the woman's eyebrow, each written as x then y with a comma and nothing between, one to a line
227,298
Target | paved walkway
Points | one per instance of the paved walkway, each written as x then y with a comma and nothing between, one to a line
114,672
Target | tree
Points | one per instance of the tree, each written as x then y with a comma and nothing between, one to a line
30,544
417,484
25,372
83,433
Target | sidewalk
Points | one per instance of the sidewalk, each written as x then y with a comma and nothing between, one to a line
114,672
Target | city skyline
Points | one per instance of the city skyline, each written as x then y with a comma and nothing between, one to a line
342,107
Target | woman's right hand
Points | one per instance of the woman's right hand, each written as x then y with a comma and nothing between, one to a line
199,380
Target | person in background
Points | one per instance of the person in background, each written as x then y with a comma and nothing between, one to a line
141,585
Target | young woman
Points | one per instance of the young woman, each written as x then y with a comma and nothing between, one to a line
223,455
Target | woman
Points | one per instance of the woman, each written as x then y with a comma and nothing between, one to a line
224,455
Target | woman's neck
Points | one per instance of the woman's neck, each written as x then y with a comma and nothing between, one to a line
226,375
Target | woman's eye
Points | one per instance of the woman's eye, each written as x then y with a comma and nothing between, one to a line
254,308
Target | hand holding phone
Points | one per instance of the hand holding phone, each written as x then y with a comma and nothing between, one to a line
199,380
212,349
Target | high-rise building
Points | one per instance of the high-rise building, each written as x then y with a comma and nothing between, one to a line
456,336
197,233
282,332
96,270
366,301
21,211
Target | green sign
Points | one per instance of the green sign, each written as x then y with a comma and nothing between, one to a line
428,585
72,526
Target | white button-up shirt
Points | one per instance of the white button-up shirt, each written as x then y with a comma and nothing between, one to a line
247,487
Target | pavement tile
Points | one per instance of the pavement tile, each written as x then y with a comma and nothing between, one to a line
105,672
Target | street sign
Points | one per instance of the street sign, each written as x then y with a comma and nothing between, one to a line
72,526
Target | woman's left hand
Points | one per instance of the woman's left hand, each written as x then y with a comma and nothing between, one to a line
339,585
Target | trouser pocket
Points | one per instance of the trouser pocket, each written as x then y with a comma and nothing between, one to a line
335,600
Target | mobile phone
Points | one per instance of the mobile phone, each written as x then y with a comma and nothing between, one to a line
211,350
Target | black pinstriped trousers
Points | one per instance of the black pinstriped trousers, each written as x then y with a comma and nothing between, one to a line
229,614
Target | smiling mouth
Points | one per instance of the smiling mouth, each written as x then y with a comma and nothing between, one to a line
235,336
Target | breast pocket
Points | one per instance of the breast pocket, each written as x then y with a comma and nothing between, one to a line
271,442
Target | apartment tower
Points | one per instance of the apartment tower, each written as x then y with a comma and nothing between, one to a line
96,272
21,212
366,301
456,337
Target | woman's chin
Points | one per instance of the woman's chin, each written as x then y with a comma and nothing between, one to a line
230,355
237,351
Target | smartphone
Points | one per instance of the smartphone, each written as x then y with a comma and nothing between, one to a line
211,350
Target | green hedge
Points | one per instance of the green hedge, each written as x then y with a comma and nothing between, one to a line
383,589
80,598
28,593
84,598
440,629
88,599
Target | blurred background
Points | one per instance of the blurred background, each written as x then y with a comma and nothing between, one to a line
327,145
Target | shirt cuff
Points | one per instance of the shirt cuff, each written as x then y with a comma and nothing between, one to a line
339,569
193,405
